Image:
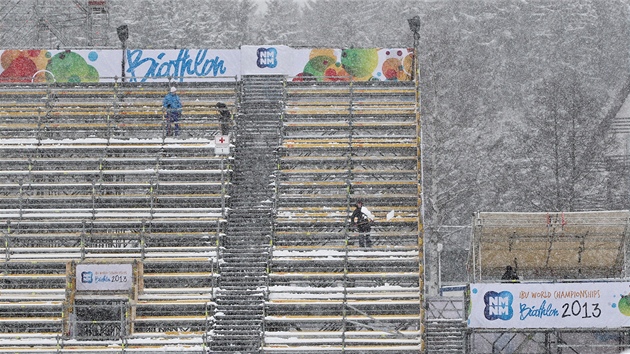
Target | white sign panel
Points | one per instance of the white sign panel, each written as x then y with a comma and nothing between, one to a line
222,145
553,305
104,277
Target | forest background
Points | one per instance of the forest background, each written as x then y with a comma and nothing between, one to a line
518,97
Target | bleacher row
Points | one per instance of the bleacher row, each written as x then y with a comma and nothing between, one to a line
87,174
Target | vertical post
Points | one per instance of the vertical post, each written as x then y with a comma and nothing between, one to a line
440,247
222,167
627,166
143,242
124,54
7,251
626,249
83,239
123,35
414,26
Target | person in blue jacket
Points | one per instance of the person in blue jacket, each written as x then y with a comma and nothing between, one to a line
173,108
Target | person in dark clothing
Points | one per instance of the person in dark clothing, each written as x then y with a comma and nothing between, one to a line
225,118
362,219
173,108
509,275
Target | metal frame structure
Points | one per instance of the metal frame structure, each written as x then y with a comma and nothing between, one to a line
89,175
572,246
54,23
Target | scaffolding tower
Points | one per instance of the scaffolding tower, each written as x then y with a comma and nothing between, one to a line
54,23
550,246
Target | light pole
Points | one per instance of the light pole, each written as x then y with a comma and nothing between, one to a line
414,26
123,35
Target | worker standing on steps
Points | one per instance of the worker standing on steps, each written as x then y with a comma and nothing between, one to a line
173,110
226,118
362,220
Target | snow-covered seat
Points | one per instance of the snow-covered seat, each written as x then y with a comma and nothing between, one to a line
39,316
354,261
366,341
294,238
172,315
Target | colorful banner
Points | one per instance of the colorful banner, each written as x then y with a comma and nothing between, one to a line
190,65
104,277
553,305
326,64
21,66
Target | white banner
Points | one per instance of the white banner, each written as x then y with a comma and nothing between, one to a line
553,305
320,64
183,64
104,277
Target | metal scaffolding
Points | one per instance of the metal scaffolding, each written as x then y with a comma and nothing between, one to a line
54,23
550,246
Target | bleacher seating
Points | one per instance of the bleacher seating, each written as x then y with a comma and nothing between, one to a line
108,111
341,143
87,174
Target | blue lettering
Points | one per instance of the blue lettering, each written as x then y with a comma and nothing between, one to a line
543,310
164,70
103,279
200,62
184,65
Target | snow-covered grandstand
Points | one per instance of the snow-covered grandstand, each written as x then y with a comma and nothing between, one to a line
249,251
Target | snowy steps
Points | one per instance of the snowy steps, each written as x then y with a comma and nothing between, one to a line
243,271
445,335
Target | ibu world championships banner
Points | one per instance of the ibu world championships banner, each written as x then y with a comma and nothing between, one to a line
558,305
190,65
91,277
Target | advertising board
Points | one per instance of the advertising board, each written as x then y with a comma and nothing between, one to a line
550,305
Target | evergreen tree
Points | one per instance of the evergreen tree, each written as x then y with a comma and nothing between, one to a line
280,23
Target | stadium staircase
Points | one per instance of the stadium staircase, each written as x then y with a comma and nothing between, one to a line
245,247
445,325
445,336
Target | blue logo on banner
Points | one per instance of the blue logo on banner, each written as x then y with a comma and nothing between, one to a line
498,305
87,277
267,58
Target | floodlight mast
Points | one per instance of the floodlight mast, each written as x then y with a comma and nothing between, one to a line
123,35
414,26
